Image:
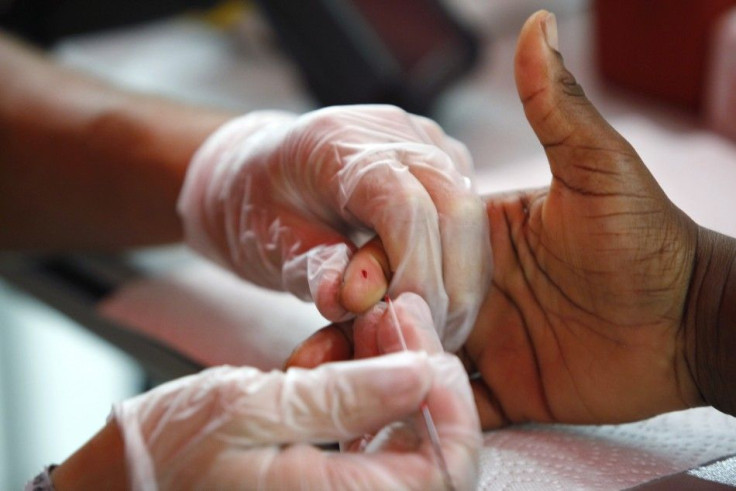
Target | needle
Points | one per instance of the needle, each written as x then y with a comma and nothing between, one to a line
434,437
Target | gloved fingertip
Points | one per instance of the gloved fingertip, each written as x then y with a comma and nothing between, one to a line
406,385
409,327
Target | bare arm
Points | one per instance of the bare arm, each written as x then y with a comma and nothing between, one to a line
84,164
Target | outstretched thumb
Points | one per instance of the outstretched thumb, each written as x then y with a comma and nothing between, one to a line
576,138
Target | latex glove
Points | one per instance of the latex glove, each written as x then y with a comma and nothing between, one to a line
283,200
239,428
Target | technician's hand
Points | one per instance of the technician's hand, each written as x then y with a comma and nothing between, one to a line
585,319
239,428
282,201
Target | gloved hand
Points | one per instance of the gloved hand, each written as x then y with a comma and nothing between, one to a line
283,200
241,428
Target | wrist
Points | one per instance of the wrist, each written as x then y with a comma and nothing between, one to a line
710,320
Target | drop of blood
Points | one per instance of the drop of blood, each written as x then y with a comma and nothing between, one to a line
364,273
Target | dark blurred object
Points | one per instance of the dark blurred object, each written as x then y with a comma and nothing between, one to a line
658,47
43,22
402,52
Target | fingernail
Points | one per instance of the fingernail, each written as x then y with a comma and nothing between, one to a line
549,26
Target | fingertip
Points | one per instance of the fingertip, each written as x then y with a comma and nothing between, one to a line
329,344
366,278
533,52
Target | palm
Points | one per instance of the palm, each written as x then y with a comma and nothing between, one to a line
582,320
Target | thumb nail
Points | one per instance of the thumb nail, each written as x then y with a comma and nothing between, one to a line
549,27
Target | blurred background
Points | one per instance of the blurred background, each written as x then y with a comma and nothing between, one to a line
450,59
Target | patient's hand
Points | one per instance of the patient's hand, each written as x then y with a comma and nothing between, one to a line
584,321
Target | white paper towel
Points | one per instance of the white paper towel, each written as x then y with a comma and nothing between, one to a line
542,457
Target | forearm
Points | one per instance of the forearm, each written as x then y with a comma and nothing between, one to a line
710,328
84,164
99,464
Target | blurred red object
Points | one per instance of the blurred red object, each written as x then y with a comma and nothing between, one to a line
658,47
720,99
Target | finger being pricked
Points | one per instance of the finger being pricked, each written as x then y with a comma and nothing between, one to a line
364,284
366,277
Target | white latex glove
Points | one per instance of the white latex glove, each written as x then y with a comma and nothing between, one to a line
282,200
239,428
